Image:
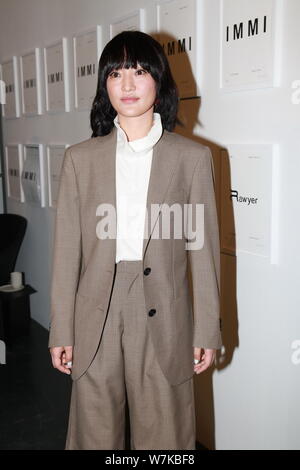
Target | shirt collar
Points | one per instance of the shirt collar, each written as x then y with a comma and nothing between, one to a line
143,145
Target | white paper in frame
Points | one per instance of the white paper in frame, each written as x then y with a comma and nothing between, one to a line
250,200
57,87
87,48
11,88
178,33
30,69
13,167
33,175
250,44
131,22
55,156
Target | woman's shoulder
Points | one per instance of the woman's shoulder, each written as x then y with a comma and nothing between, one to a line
88,146
190,142
188,145
90,142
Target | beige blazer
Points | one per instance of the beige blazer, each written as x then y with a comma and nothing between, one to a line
83,263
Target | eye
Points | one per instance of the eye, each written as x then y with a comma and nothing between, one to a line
141,70
112,74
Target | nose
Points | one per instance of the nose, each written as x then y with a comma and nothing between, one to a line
127,82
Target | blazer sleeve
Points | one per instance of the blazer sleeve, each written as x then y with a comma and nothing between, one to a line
205,261
66,257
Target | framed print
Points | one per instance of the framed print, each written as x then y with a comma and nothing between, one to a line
14,164
87,50
133,21
249,52
9,76
33,175
57,77
30,67
249,200
177,33
55,156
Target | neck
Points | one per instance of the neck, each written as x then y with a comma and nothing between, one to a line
136,127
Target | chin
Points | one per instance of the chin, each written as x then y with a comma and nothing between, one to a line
133,112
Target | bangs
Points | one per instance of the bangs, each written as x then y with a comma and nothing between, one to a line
129,54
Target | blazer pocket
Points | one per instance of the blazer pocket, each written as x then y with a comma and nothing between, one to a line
182,311
83,290
85,301
87,322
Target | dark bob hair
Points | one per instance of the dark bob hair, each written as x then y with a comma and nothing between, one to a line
125,50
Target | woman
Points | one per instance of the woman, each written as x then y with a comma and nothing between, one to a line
121,316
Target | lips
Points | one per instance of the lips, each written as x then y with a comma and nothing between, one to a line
129,100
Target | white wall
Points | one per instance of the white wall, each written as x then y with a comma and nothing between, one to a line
255,397
254,400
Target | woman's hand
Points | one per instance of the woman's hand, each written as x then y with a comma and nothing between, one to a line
205,360
61,356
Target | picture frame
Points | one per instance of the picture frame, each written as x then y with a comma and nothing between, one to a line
9,75
250,44
30,71
177,32
249,200
57,88
55,155
13,168
87,47
33,175
132,21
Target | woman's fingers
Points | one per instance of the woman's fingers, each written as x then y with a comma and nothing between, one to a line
60,357
206,361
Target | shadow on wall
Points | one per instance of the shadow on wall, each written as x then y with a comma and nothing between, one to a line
189,112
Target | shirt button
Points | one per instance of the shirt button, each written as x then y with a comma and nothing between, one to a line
151,312
147,271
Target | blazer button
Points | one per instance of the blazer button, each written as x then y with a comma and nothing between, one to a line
147,271
151,312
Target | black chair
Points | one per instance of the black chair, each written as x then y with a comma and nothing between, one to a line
12,231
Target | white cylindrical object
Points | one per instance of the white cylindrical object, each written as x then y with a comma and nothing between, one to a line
16,279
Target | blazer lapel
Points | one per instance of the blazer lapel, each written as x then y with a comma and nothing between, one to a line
163,165
162,169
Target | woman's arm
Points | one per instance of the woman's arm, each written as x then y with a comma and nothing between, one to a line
66,257
205,262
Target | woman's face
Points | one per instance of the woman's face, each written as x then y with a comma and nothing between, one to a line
132,92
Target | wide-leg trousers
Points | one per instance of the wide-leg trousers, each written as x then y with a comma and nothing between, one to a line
162,416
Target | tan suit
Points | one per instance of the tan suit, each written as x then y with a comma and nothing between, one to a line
84,265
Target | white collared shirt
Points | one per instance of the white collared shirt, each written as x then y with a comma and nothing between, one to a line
133,166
